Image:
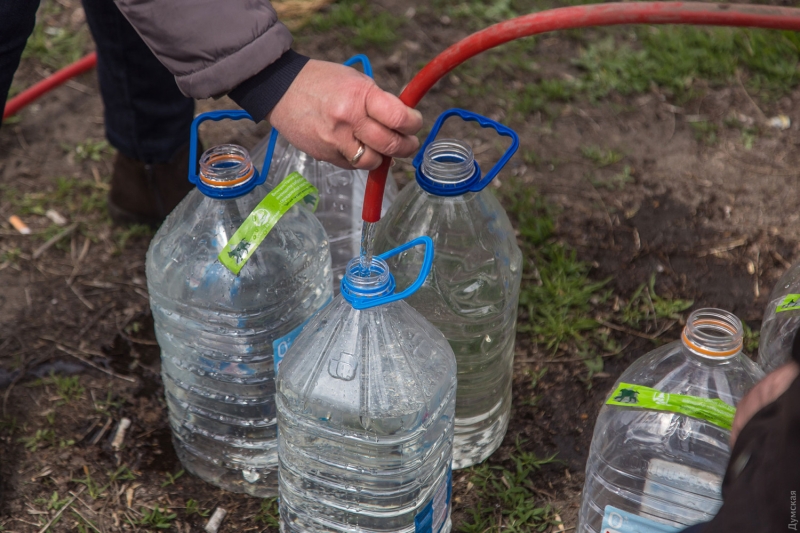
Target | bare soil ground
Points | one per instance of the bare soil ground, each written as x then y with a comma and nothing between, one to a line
637,187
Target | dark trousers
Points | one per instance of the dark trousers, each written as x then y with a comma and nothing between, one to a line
146,116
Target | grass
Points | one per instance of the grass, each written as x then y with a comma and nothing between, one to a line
172,478
68,388
91,150
364,23
52,45
268,513
70,195
156,518
645,305
601,158
556,299
193,508
123,235
509,494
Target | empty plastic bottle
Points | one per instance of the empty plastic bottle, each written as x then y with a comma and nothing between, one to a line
365,411
660,445
341,191
220,333
473,291
781,321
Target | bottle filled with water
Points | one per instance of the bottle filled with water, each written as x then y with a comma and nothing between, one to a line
660,445
781,321
341,191
473,291
366,397
220,333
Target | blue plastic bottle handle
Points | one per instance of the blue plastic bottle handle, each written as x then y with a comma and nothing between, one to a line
484,122
427,264
273,135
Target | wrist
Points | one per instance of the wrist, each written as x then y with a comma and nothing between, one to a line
261,93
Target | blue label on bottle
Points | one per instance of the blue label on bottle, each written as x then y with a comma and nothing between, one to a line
432,517
618,521
281,346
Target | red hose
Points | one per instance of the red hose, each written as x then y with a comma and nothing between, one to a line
51,82
778,18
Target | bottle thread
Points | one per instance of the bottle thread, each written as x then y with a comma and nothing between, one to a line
713,333
448,161
226,165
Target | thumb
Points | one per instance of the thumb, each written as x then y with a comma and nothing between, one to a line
390,111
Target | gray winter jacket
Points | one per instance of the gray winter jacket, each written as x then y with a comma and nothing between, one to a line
217,47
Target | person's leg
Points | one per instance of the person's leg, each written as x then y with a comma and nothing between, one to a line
17,18
147,120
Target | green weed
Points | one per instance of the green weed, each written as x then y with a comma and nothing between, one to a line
705,132
364,23
156,518
172,478
123,473
41,439
92,150
83,525
193,508
751,338
54,503
537,96
268,514
105,406
123,235
617,182
94,490
70,194
10,425
645,305
600,157
67,387
509,493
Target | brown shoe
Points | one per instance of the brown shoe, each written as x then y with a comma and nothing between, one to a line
146,194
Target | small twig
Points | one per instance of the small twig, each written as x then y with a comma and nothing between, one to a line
50,242
78,262
95,318
81,297
69,351
102,432
635,333
574,359
752,102
723,247
61,511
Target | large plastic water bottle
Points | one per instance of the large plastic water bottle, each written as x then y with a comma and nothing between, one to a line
365,411
473,291
341,191
781,321
219,332
660,445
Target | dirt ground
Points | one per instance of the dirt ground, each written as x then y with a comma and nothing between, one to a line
717,224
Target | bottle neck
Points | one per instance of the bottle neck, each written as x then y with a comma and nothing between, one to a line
448,161
373,282
713,334
226,165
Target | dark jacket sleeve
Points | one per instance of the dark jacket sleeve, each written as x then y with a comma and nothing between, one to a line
217,47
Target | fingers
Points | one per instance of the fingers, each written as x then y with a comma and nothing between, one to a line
764,393
385,141
389,111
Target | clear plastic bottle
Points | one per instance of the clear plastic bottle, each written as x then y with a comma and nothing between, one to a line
652,467
473,292
219,333
365,411
781,321
341,191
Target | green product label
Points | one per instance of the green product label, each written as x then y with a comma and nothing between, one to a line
714,410
264,217
790,303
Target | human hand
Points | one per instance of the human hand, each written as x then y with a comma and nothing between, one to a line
330,109
764,393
